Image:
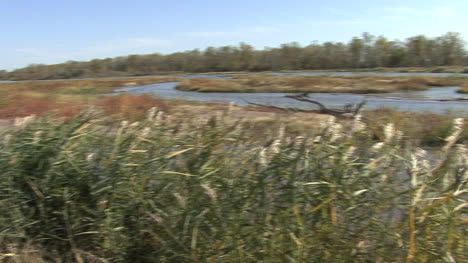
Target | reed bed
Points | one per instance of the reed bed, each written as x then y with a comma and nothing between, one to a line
175,190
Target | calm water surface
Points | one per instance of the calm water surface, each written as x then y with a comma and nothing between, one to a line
416,101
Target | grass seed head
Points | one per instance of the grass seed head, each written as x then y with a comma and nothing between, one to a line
275,146
37,137
209,191
263,158
124,124
7,140
389,132
145,132
25,121
151,113
376,147
90,157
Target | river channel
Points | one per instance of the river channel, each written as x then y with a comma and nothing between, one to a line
414,101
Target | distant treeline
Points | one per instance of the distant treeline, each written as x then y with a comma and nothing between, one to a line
366,51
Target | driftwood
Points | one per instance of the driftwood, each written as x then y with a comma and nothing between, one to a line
349,110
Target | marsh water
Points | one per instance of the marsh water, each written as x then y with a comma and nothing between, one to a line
415,101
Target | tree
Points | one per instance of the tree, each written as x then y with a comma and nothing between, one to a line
356,50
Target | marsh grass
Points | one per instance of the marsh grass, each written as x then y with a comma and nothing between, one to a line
463,89
65,97
178,190
348,84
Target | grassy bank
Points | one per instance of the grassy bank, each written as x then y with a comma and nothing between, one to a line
348,84
447,69
464,88
173,190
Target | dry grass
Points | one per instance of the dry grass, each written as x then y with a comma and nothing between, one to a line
24,105
128,106
80,86
349,84
64,97
463,89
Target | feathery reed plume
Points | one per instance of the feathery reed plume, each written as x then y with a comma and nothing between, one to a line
349,153
317,139
457,128
461,154
25,121
299,141
262,157
358,124
145,132
377,146
90,157
389,132
275,146
151,113
7,140
37,137
209,191
134,125
124,124
281,131
336,132
159,118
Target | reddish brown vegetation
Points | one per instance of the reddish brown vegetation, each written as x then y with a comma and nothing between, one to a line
130,106
127,106
66,98
23,105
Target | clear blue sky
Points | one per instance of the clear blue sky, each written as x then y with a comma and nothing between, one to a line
54,31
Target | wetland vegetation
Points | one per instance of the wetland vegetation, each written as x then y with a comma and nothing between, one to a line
168,189
323,84
92,177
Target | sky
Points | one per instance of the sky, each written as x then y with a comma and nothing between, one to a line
55,31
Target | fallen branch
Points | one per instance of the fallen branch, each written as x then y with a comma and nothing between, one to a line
349,111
